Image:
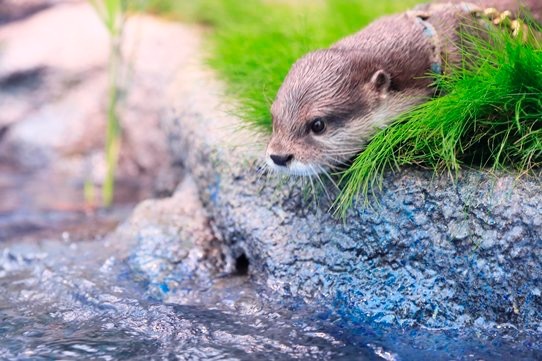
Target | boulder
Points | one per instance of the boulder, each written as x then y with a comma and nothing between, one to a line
427,250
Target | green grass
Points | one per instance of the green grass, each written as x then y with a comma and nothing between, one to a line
489,116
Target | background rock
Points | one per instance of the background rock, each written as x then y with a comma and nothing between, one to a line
15,10
54,94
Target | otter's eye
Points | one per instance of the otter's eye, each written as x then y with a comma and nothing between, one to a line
318,126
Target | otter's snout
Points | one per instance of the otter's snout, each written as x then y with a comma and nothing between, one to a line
281,159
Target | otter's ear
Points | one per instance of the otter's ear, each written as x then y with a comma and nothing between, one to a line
381,82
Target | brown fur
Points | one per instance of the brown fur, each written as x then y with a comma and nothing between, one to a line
361,83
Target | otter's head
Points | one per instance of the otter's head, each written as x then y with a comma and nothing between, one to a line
329,104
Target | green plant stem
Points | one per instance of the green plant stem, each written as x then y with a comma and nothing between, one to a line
112,13
113,132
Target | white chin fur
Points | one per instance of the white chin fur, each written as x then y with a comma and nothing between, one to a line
295,168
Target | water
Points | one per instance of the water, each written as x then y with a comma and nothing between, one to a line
69,298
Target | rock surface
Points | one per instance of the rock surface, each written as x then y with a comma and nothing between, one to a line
172,237
434,252
15,10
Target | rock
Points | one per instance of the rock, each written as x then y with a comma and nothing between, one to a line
15,10
430,250
54,98
49,80
173,237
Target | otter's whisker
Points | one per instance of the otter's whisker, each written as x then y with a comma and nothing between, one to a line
322,184
343,151
323,171
262,171
314,195
334,161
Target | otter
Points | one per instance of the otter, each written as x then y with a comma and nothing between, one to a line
333,100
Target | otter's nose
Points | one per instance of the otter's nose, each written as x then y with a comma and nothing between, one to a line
281,160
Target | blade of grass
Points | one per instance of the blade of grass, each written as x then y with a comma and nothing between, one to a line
112,13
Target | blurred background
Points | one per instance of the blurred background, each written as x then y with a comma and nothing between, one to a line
84,86
72,74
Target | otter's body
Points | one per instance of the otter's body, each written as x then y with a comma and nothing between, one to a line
334,99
